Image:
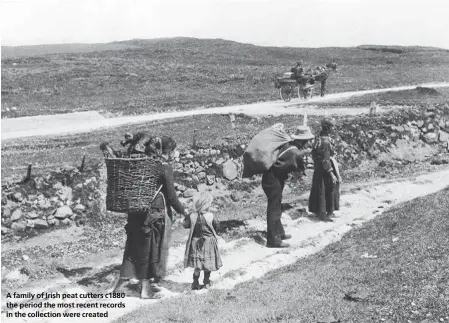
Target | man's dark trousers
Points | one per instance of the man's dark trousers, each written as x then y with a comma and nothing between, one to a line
273,185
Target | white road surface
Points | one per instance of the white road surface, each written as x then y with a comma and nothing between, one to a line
82,122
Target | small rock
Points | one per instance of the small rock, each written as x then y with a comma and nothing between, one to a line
17,197
32,215
63,212
202,187
18,226
221,186
234,197
201,175
189,193
66,193
80,207
25,258
57,185
38,182
4,199
66,222
5,230
52,221
430,138
220,161
41,223
443,136
16,215
229,170
6,212
210,179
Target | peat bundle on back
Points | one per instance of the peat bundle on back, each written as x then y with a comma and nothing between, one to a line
134,175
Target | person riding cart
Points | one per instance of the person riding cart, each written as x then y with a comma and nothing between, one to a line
298,71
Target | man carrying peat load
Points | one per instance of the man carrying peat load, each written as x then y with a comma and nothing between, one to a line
276,154
290,159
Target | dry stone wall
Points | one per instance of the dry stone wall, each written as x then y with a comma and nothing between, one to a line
69,197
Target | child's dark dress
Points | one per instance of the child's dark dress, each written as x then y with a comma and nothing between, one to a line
203,251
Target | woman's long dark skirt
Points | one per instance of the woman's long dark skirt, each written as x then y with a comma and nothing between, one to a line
146,248
324,198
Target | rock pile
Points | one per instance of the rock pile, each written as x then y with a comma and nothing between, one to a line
367,137
59,199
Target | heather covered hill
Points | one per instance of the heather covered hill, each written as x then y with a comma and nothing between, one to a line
144,76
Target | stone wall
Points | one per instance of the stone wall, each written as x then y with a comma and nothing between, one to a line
62,198
69,197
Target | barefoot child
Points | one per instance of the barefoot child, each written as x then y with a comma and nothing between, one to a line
202,247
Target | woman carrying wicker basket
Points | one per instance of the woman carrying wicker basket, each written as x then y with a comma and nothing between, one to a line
148,232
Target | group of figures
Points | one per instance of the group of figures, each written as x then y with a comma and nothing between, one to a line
304,80
313,75
325,191
148,232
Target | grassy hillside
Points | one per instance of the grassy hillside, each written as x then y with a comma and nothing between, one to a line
405,282
142,76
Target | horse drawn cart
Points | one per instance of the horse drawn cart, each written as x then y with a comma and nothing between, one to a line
288,85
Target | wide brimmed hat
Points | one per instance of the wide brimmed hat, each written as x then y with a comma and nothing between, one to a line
303,133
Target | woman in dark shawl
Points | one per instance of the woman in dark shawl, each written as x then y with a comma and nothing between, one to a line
325,192
148,233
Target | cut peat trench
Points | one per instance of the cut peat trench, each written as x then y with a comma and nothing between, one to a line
246,259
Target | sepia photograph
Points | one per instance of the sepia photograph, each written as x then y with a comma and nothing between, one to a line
225,161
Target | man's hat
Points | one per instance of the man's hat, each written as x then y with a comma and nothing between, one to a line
303,133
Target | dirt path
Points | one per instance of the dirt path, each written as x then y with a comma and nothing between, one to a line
88,121
246,259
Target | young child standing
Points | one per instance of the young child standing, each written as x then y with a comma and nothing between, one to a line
202,245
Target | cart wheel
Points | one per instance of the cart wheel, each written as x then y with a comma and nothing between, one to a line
286,92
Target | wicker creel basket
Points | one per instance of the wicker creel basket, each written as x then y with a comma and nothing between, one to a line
132,183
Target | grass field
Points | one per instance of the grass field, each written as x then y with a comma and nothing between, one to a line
144,76
417,96
405,281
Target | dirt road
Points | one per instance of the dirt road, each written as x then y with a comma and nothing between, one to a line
81,122
245,259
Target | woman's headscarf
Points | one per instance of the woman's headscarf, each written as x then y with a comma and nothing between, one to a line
202,201
326,124
158,146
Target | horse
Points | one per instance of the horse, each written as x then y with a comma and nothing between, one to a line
320,74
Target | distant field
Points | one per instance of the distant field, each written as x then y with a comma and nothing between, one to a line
143,76
418,96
